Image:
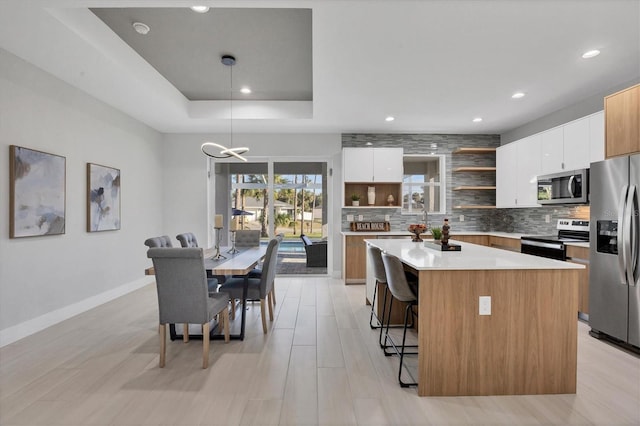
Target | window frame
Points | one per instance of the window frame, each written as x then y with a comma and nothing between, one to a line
441,185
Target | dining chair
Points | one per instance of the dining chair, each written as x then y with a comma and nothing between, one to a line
188,239
183,296
163,241
257,288
247,238
401,290
257,272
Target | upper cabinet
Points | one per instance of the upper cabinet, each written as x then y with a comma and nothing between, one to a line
622,122
518,166
372,164
573,145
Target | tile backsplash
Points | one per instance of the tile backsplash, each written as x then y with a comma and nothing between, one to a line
532,221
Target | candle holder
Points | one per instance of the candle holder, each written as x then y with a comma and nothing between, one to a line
217,254
233,249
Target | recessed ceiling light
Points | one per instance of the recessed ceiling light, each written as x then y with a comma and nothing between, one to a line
141,28
200,9
477,120
245,90
389,118
591,54
518,95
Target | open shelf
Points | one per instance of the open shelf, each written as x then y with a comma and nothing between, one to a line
474,169
482,188
474,207
474,151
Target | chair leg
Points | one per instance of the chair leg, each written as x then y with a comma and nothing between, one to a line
270,302
225,319
185,332
205,345
233,309
273,293
163,344
264,316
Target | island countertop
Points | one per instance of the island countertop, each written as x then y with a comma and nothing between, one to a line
471,257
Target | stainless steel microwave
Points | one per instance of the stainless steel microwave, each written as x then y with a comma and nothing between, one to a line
569,187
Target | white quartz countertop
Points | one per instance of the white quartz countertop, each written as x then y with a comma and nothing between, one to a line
471,257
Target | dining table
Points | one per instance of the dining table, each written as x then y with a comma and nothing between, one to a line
222,262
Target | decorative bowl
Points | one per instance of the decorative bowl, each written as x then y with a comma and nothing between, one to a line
416,230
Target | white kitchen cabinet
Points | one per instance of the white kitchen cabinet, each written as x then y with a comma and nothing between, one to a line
518,166
576,144
505,175
596,137
552,150
372,164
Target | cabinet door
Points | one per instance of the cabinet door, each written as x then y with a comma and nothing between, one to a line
355,259
505,175
622,122
528,168
552,150
596,137
576,144
387,164
357,164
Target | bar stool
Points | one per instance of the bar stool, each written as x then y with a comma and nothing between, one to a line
401,290
380,275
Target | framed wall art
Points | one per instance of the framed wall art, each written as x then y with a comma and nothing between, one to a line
103,198
37,193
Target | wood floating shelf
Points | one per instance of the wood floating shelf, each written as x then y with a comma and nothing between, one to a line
474,207
474,151
474,169
482,188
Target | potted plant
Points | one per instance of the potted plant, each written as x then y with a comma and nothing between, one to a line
436,232
355,199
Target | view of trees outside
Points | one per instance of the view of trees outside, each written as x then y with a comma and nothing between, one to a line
298,203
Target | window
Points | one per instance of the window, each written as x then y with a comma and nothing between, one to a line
423,182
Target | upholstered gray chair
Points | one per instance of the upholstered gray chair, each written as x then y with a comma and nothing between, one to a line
187,239
257,272
163,241
247,238
402,291
316,252
258,288
183,296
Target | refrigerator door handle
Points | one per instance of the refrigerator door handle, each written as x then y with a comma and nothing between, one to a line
622,236
632,241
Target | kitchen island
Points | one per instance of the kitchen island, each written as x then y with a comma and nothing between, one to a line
527,345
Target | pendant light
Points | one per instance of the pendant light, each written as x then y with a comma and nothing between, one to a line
216,150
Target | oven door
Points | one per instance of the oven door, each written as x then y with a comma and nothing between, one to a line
550,249
564,188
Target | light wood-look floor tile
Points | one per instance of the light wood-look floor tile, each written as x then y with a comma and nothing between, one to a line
319,364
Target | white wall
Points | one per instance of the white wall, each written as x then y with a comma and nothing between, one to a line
46,279
185,172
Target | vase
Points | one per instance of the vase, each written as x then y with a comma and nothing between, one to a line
355,203
371,195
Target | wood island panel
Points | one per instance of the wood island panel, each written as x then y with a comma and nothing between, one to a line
483,240
528,345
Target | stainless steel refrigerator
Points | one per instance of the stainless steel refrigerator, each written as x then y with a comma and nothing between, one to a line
614,273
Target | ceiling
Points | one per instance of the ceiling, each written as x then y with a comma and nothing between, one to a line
332,66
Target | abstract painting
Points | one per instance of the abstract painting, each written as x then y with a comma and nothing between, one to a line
37,193
103,199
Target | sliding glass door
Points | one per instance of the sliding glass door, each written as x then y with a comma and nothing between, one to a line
287,197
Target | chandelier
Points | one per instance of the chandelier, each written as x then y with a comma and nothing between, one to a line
216,150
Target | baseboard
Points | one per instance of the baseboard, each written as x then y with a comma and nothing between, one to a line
27,328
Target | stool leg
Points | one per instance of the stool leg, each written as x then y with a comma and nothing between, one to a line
373,304
404,341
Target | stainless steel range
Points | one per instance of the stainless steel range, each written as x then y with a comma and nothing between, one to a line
553,246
